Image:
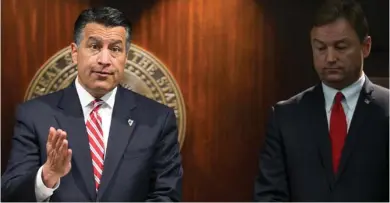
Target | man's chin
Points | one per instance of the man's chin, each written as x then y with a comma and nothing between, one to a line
102,88
333,78
334,81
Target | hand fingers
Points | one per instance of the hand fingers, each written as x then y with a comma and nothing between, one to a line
62,145
60,137
52,132
69,156
65,134
63,137
64,150
54,140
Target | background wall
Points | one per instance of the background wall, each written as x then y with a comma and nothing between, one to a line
231,58
31,32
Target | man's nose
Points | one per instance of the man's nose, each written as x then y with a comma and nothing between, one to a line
331,56
104,57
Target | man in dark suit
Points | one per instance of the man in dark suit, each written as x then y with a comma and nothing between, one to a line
331,141
95,140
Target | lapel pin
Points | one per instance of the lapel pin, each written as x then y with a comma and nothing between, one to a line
367,101
130,122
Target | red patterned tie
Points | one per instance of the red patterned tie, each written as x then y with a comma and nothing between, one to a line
338,130
96,144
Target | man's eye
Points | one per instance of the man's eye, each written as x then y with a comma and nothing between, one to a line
94,46
341,47
116,49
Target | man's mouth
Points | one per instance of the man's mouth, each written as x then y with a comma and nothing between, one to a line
103,72
332,68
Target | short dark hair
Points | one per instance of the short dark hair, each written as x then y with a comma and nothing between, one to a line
350,10
107,16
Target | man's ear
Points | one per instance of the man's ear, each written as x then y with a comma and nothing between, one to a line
366,46
74,52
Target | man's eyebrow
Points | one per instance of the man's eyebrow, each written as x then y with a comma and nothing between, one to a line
114,41
118,41
318,41
343,40
93,38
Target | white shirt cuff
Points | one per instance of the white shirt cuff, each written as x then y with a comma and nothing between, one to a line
42,192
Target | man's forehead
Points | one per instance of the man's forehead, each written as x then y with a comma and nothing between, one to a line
101,32
337,29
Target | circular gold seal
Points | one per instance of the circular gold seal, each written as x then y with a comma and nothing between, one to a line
144,74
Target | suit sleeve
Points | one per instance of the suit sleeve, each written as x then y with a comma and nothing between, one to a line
18,181
271,184
166,184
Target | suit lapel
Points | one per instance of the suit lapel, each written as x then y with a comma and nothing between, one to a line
319,130
72,121
360,114
122,126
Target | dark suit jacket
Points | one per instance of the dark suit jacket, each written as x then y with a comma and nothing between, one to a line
296,162
142,160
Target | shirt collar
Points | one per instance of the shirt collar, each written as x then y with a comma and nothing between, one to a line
86,98
351,94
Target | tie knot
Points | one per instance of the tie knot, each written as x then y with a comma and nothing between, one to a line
339,96
96,104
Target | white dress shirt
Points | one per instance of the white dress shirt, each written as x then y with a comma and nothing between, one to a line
41,191
351,96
